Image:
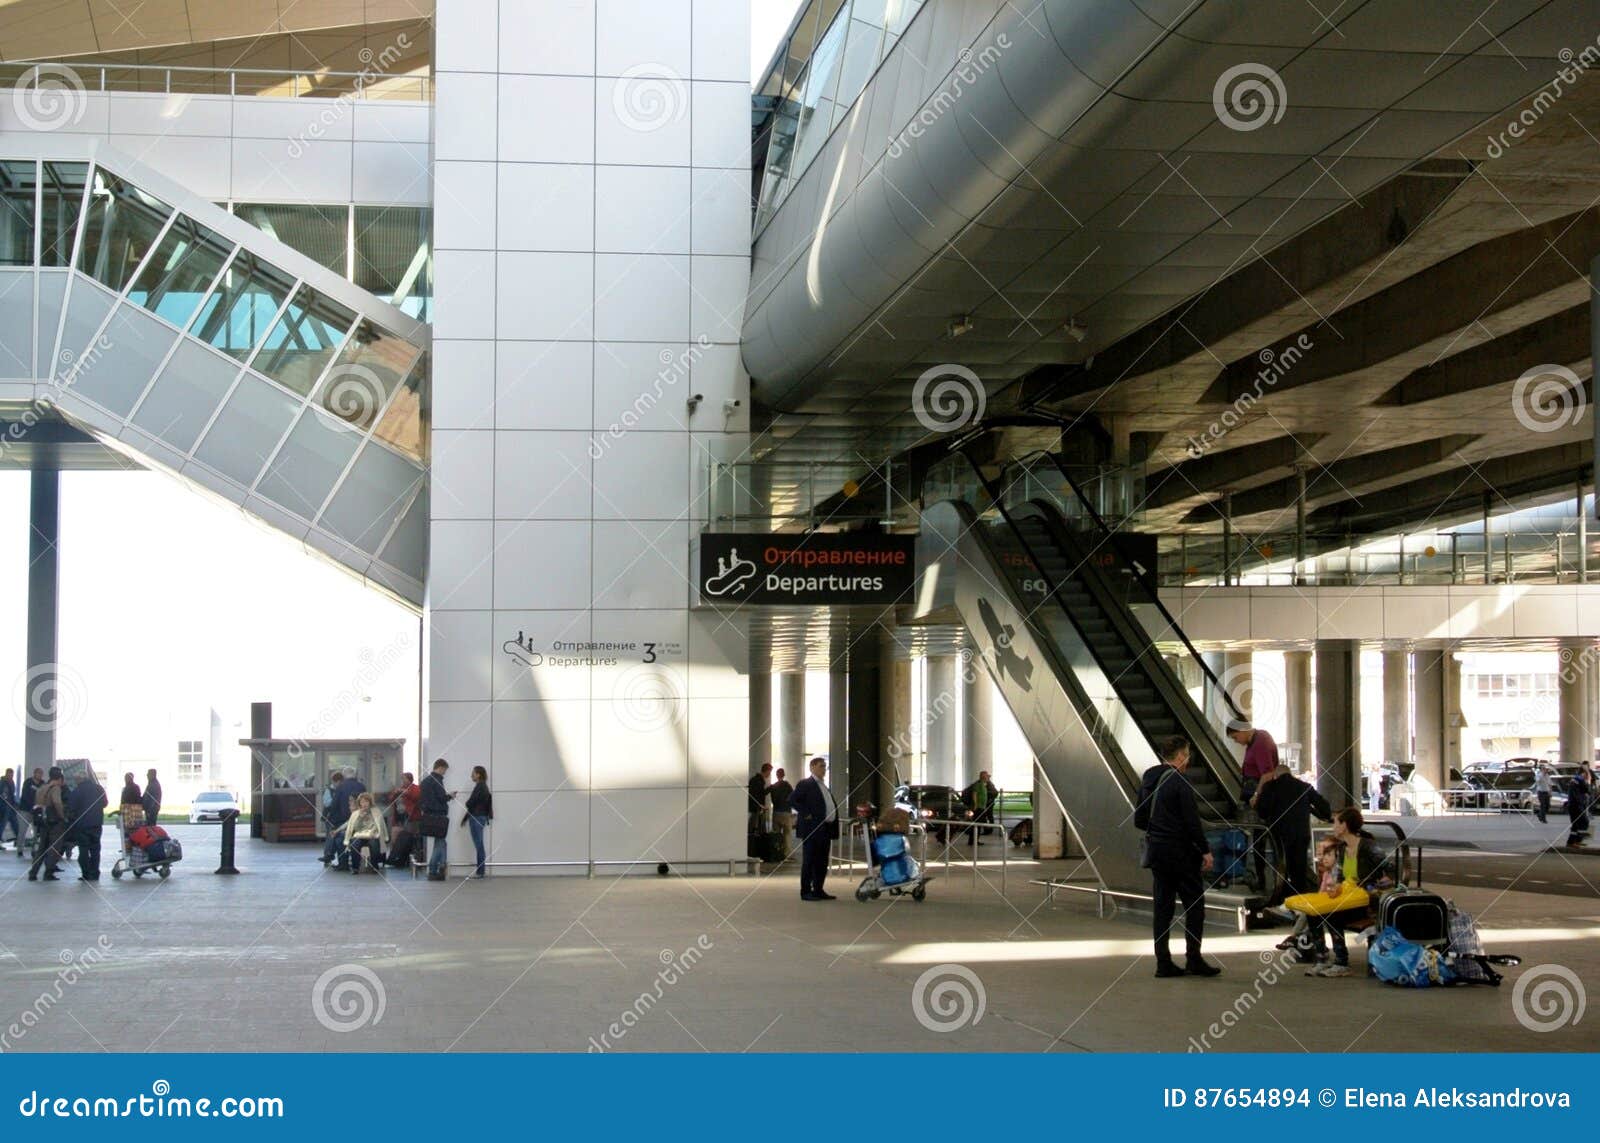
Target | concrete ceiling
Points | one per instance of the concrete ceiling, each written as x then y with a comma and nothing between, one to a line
1425,266
51,29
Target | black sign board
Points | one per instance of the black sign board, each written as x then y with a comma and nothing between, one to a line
836,568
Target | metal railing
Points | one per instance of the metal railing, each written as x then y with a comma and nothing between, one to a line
262,82
1434,559
776,496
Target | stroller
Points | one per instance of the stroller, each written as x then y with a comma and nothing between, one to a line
893,867
144,847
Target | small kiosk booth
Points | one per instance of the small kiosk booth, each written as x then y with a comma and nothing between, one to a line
289,775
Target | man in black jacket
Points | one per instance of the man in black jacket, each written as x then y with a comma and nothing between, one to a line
8,809
1285,805
1178,854
817,822
152,796
25,803
86,818
436,804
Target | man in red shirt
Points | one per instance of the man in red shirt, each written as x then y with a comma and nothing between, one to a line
409,800
1260,755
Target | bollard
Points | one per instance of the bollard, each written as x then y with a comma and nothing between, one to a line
230,821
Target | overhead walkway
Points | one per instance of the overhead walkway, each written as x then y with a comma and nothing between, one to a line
1052,613
195,343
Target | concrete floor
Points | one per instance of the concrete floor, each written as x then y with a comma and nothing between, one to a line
201,963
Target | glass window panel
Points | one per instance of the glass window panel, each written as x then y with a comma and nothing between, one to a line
800,46
178,275
188,391
58,216
407,549
119,228
16,323
861,53
816,111
129,353
374,493
300,346
237,313
302,474
321,233
405,424
52,290
18,182
897,18
367,373
394,256
87,307
247,430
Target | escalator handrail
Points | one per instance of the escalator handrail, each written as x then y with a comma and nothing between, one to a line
1167,686
1155,595
1098,731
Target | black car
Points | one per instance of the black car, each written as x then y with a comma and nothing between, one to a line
934,803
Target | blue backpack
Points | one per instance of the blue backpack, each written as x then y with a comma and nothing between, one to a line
1395,960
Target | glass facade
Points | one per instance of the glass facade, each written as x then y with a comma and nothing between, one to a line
237,368
833,49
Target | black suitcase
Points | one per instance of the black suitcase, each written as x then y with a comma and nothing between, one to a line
772,848
1421,917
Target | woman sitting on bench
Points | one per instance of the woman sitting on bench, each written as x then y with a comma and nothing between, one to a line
1347,898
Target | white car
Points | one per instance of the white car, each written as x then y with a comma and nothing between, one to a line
210,806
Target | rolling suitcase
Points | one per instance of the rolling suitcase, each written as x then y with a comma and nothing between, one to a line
1421,917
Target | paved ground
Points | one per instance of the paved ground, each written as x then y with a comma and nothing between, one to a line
1562,874
201,962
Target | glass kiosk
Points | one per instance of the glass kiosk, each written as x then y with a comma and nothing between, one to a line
290,774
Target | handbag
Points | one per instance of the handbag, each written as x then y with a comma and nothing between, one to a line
435,825
1144,851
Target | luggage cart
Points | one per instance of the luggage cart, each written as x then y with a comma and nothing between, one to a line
137,860
892,869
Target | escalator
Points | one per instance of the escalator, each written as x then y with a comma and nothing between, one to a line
1054,620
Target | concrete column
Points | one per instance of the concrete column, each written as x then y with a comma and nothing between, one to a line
839,733
44,580
790,752
761,728
894,730
1573,686
1396,706
941,718
1432,770
1454,721
1238,681
863,719
1338,753
1050,833
1297,702
978,725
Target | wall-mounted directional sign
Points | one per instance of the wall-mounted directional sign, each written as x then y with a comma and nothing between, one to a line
835,568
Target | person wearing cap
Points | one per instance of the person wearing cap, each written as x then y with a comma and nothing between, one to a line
55,825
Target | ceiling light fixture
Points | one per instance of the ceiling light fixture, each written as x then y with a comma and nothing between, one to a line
1075,331
961,325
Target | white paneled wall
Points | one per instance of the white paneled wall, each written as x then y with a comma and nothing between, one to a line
592,230
251,149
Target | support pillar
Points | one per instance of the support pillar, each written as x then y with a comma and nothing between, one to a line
1238,682
941,719
1432,771
894,730
1572,691
761,728
1297,704
44,581
978,751
1396,706
839,733
1338,669
1455,721
863,725
790,753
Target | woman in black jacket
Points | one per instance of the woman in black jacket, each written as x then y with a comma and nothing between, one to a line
480,811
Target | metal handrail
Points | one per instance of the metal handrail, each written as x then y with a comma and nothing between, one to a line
1154,596
359,80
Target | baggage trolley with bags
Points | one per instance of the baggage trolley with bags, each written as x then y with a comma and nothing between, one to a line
146,847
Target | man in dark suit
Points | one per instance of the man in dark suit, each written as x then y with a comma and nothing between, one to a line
152,796
1178,854
817,823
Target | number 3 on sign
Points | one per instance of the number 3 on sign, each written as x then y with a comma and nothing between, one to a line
649,652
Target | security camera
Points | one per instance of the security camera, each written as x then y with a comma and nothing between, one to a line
1075,331
693,403
731,406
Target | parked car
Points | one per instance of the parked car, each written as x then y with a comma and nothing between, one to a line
209,806
933,803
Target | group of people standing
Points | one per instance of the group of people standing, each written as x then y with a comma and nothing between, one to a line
355,822
64,820
1351,864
